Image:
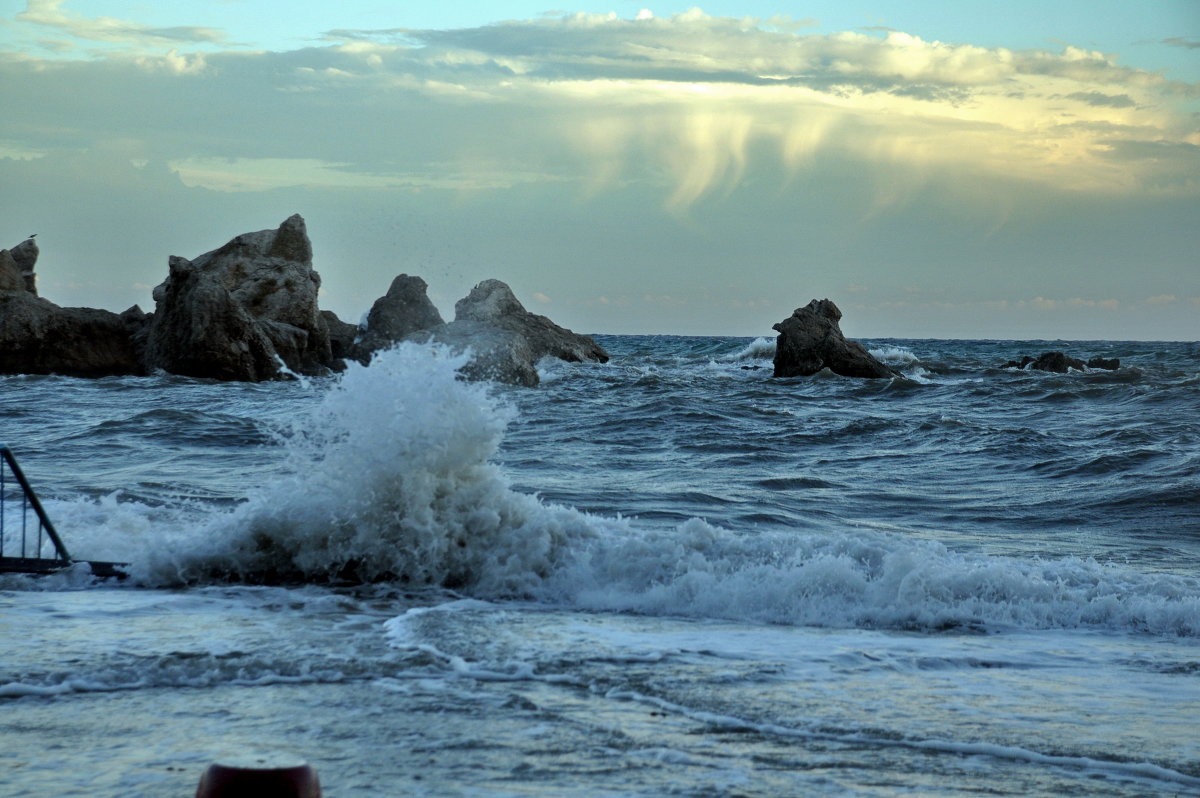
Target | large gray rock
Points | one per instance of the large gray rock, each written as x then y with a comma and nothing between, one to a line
506,341
200,330
342,335
24,256
492,302
39,337
10,273
404,310
230,313
810,340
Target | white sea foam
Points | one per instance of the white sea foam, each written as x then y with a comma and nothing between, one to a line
894,355
393,476
758,349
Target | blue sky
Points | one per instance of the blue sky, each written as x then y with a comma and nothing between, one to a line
1017,170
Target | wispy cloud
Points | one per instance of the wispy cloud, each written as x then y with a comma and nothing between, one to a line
690,104
51,14
1179,41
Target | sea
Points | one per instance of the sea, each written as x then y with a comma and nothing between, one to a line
667,575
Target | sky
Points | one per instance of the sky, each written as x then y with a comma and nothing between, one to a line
1017,170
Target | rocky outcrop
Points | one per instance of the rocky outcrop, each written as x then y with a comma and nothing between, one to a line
24,260
245,311
39,337
342,336
505,340
810,340
1061,363
404,310
200,330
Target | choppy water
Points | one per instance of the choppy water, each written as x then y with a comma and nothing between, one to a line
668,574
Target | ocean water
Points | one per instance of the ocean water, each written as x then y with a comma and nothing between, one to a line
670,574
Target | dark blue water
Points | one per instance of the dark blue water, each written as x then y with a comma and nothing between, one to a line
667,574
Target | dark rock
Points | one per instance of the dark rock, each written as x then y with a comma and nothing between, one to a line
39,337
25,257
1061,363
404,310
810,340
10,273
342,335
200,330
235,312
507,341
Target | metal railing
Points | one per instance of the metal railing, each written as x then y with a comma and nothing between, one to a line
17,499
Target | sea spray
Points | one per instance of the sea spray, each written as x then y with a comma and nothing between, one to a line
393,475
389,477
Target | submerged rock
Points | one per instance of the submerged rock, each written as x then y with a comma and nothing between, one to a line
243,311
1061,363
810,340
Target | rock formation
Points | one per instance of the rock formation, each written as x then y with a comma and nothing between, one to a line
39,337
810,340
404,310
242,312
1061,363
505,340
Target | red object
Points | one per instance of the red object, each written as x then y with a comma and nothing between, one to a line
227,781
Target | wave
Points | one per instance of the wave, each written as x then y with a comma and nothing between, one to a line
758,349
393,477
894,356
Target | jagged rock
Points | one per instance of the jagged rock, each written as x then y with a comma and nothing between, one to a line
342,335
810,340
493,302
200,330
10,273
229,313
506,341
25,257
404,310
39,337
1061,363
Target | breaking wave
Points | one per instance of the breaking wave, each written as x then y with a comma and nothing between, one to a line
392,476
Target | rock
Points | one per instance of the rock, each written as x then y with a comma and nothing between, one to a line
497,354
404,310
229,313
493,302
1061,363
10,274
810,340
342,335
200,330
25,257
507,341
39,337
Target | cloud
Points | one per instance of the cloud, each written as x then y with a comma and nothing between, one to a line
1179,41
691,105
49,13
1099,99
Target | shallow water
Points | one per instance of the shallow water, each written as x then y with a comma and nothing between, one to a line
668,574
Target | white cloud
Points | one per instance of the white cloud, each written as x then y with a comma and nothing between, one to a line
50,14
